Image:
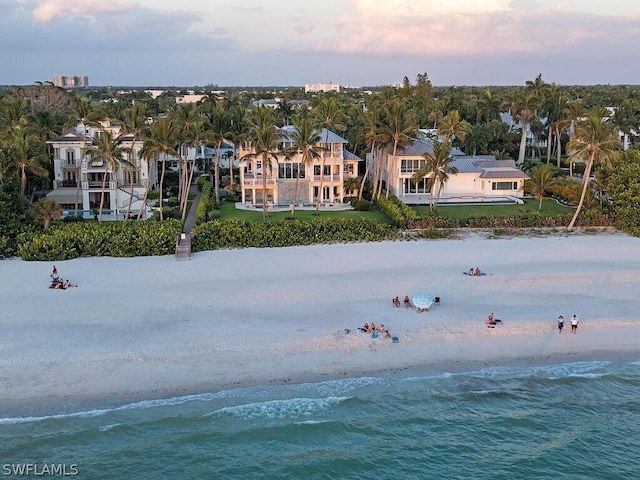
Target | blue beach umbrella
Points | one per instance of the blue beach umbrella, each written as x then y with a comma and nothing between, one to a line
422,300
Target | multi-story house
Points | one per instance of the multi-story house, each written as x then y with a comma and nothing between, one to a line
323,178
479,179
78,176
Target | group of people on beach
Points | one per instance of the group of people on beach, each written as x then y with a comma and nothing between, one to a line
371,328
396,301
573,322
474,273
492,321
58,283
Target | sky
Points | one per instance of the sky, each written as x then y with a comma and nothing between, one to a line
149,43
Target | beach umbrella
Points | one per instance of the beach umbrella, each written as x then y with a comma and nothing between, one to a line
422,300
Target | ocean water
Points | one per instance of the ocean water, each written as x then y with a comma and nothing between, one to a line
570,421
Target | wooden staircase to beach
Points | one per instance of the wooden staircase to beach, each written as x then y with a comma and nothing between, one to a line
183,246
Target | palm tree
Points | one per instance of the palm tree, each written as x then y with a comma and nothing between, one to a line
238,133
452,127
24,151
596,141
437,165
525,114
161,142
186,116
218,124
399,126
110,149
487,107
133,125
540,182
265,140
88,115
573,112
46,210
371,135
553,107
305,139
327,117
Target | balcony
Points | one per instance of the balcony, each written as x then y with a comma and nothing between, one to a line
98,185
256,180
66,183
326,178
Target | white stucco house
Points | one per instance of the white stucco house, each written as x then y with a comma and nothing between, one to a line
78,177
480,179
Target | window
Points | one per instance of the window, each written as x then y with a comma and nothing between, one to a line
71,157
409,187
410,166
290,170
504,185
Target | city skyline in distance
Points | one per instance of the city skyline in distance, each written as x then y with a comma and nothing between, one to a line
347,42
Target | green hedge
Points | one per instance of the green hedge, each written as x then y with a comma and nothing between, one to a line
525,219
237,233
433,221
113,239
205,205
398,212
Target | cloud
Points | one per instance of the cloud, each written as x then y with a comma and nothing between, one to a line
463,28
48,10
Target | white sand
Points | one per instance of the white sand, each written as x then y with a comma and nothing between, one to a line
156,327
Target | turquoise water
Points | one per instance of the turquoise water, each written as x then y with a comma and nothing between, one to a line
575,421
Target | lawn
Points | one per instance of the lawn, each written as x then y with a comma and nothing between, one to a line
228,210
463,212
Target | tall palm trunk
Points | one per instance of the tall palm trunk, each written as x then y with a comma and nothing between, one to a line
216,172
186,201
265,214
295,193
164,160
523,144
104,184
585,185
320,192
366,170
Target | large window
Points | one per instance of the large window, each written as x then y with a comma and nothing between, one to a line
504,185
409,187
410,166
327,169
71,157
290,170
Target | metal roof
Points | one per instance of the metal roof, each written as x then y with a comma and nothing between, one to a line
326,136
350,156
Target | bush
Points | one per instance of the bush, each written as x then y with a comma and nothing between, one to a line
398,212
90,239
359,205
173,201
205,206
236,233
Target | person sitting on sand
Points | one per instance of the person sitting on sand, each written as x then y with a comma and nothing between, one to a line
68,284
471,274
365,328
407,302
373,328
491,319
387,334
477,272
396,302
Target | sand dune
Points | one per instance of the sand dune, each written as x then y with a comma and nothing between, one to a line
156,328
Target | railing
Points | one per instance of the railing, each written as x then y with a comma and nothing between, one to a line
258,181
108,185
66,183
326,178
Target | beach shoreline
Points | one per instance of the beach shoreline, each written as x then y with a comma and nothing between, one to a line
151,328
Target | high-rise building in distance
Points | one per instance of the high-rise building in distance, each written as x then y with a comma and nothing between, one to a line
70,81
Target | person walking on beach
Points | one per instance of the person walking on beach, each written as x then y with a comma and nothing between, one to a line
574,324
560,323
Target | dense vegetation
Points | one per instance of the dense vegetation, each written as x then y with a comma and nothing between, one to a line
580,134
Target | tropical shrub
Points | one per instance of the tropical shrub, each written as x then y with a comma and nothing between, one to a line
90,239
235,233
205,205
397,211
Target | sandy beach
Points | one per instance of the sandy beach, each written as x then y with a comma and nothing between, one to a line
153,327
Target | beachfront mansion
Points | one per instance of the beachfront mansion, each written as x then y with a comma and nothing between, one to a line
78,178
315,180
